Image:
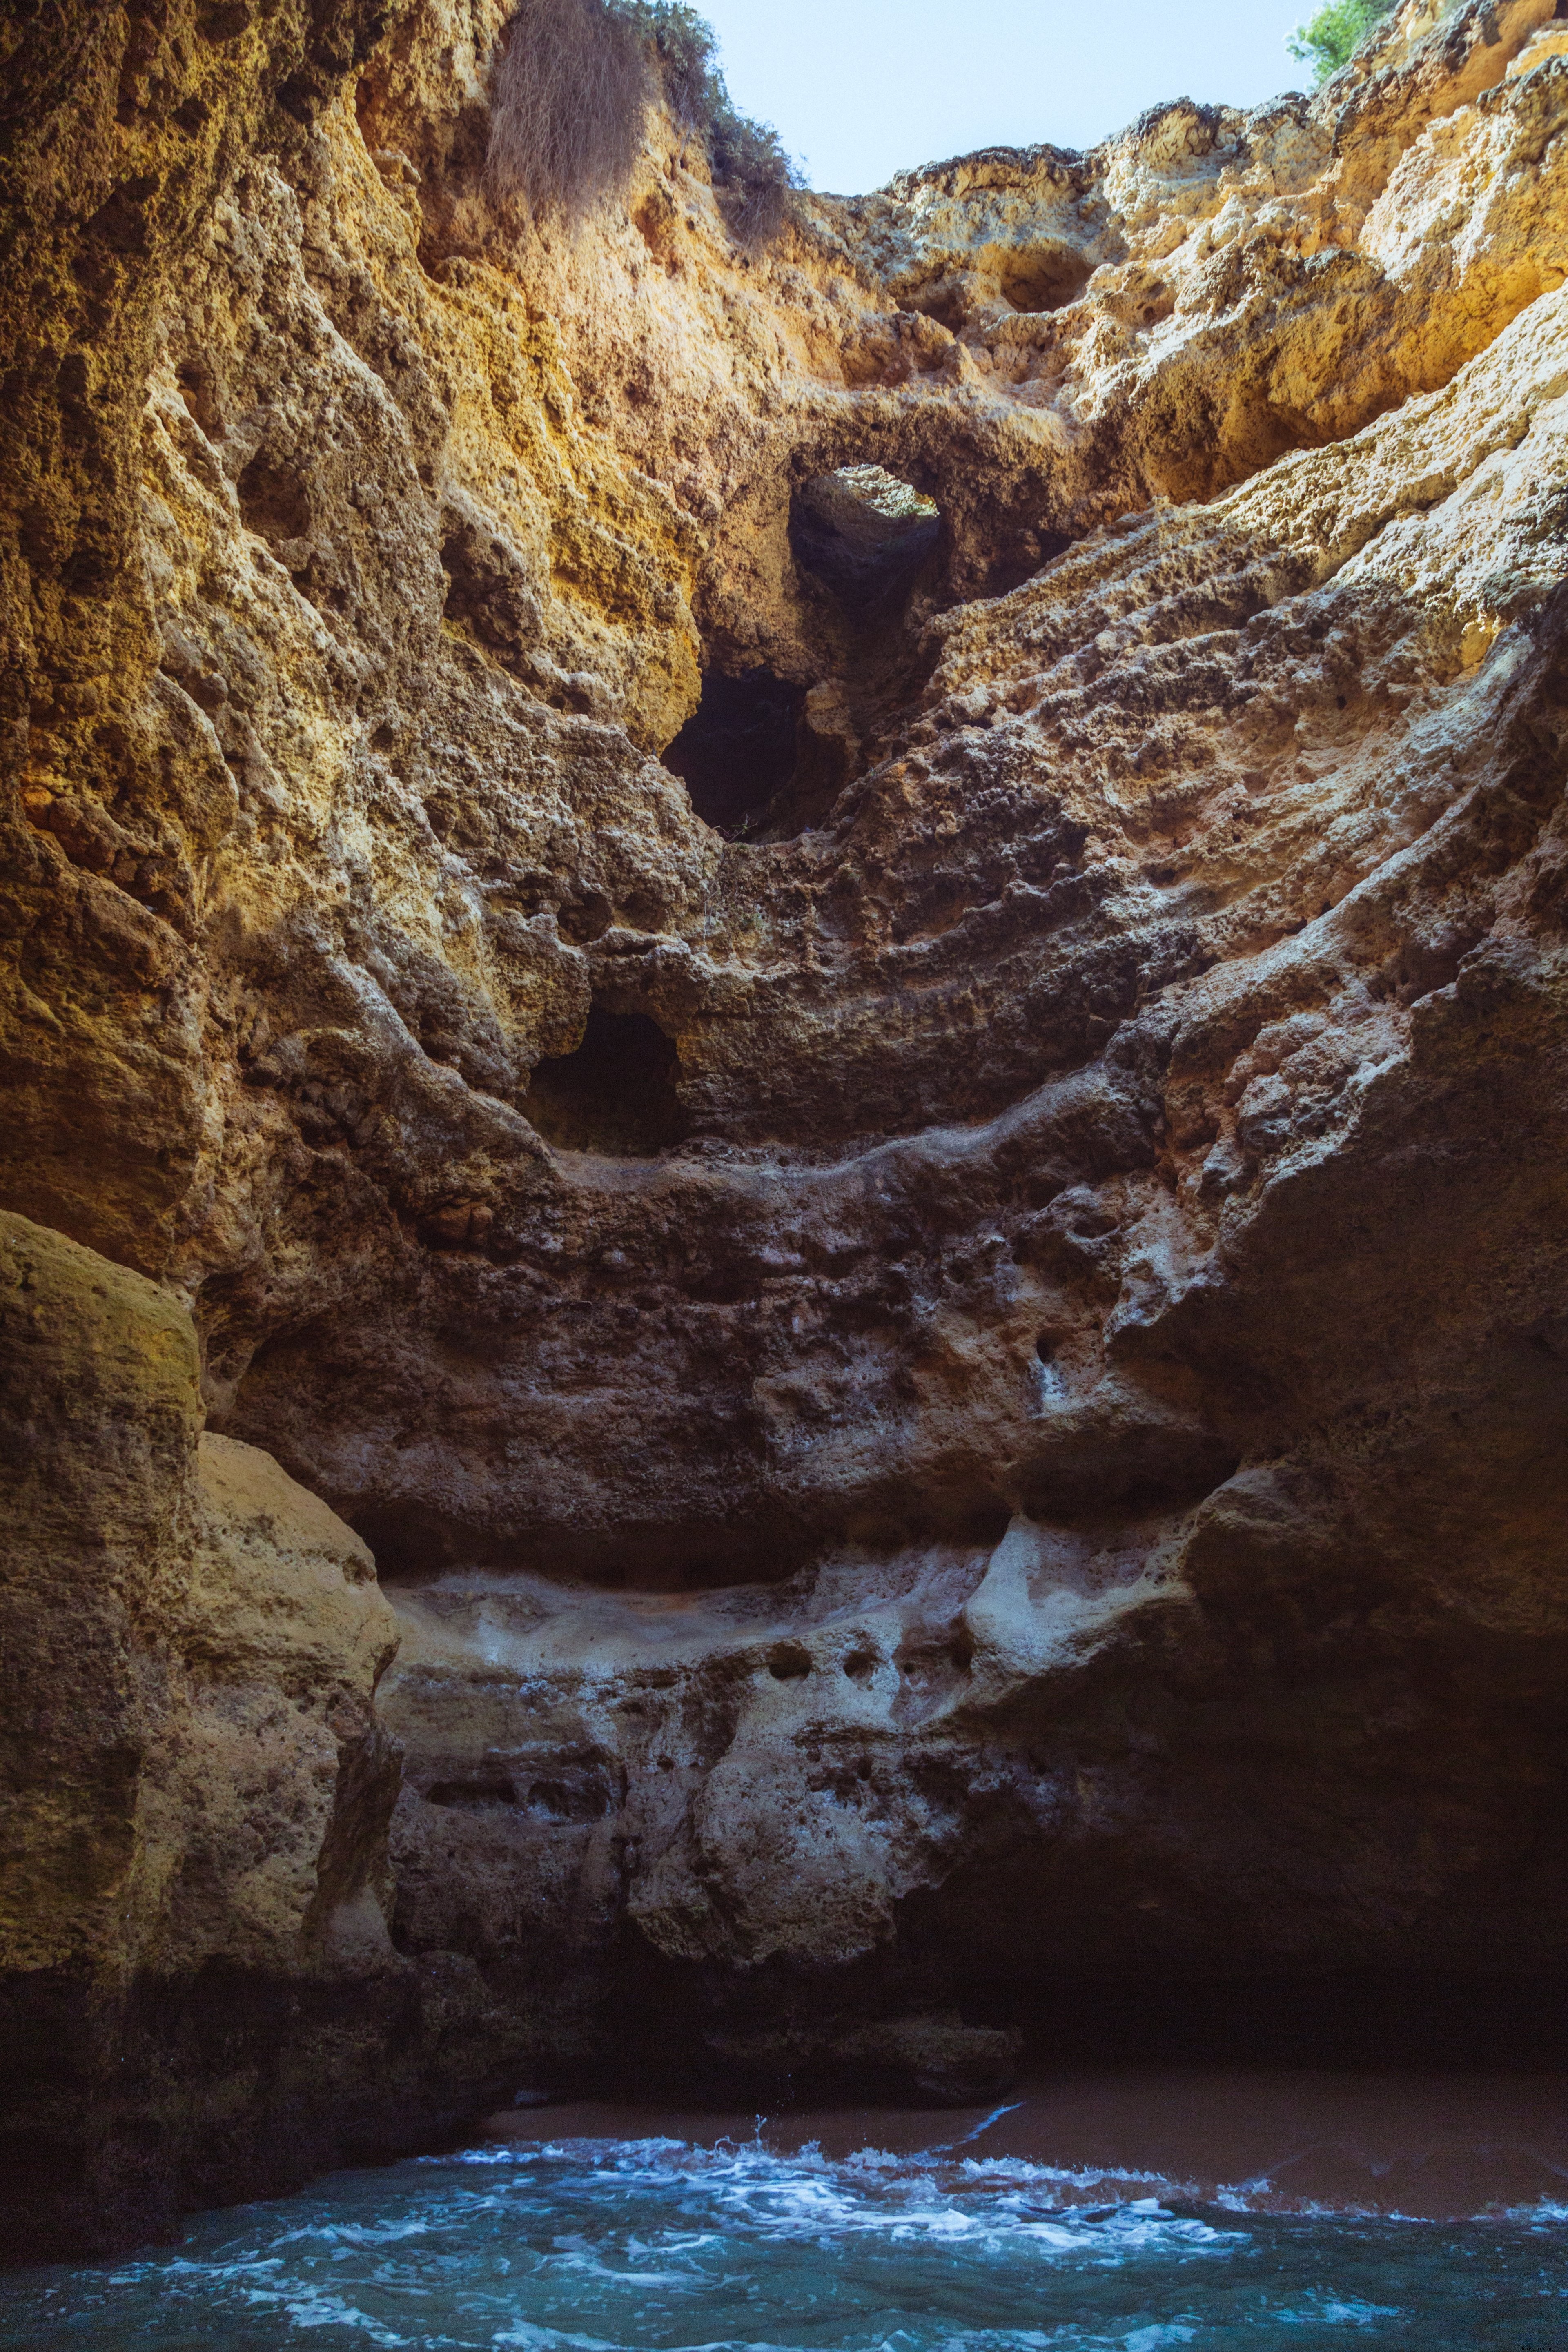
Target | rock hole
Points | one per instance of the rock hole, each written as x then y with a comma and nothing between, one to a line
198,390
272,500
1043,278
867,536
615,1093
564,1801
740,749
763,757
860,1665
472,1796
1045,1346
409,1542
584,917
787,1661
944,302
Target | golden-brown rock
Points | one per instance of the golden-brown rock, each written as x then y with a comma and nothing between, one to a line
957,1376
195,1791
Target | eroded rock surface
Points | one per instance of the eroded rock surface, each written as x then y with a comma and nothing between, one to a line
957,1377
194,1882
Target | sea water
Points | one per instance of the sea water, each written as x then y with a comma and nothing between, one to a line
603,2245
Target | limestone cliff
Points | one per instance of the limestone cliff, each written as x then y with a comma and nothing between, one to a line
895,1137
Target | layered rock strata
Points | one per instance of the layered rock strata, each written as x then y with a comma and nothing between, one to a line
956,1378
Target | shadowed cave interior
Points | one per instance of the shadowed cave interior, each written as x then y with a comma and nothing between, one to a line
758,763
740,750
866,537
612,1093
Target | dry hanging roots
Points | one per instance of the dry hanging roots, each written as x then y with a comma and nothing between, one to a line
571,92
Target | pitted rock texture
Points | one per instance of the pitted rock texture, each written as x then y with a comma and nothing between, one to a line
957,1379
196,1790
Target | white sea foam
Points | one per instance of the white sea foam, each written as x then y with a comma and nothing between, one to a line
599,2245
981,2202
548,2339
1334,2311
308,2308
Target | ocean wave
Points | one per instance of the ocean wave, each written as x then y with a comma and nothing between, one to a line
973,2200
658,2244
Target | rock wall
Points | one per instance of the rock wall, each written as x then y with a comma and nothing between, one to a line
197,1789
957,1383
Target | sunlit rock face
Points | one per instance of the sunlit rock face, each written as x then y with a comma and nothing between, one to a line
832,982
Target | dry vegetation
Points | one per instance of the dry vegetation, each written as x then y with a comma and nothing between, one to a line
571,90
574,82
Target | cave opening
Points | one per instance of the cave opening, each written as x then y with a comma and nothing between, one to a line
865,536
273,500
614,1093
1043,278
763,757
740,749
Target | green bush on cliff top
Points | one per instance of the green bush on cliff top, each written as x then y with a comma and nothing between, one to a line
1330,38
571,90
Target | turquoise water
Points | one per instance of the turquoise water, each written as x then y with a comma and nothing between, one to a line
665,2247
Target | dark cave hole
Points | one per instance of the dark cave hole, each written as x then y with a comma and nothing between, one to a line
273,500
411,1543
740,748
583,916
614,1093
198,390
1043,277
762,762
867,536
944,302
474,1796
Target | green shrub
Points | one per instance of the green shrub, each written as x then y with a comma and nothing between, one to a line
752,174
1331,37
684,44
571,92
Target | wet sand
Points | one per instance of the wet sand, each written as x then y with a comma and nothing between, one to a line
1431,2147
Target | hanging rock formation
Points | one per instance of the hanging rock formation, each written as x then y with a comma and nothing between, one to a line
956,1378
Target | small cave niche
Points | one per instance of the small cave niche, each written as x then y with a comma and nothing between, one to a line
473,1796
273,502
411,1544
615,1093
946,302
198,390
1043,278
739,751
488,593
789,1662
867,536
764,758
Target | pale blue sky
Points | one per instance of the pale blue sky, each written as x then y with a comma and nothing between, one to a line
861,89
